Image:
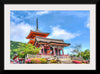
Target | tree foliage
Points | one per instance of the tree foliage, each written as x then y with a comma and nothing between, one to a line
24,49
13,45
85,54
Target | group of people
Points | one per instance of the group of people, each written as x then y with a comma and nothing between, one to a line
17,60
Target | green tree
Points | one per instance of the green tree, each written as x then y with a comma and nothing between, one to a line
11,54
24,49
85,54
13,45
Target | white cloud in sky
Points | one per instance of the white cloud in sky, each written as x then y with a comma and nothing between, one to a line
30,15
42,12
19,32
88,23
35,14
14,17
59,33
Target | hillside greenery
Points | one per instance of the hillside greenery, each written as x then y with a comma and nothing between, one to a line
14,45
84,54
22,49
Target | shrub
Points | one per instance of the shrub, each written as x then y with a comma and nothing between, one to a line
33,60
53,61
28,61
37,60
43,60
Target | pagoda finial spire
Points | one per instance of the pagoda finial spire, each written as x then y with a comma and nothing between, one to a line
37,24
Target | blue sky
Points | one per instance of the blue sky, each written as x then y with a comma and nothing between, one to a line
71,26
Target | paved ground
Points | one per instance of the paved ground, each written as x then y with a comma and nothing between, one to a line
66,61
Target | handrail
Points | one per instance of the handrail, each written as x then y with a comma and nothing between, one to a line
43,56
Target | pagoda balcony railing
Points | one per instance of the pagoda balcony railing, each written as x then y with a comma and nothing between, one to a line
44,56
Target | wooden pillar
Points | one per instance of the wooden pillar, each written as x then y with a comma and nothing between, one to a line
62,52
49,49
58,51
43,50
53,50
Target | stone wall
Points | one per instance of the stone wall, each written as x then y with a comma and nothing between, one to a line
77,58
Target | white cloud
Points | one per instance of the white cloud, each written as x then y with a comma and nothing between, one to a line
42,12
34,14
59,33
88,23
30,15
19,32
14,17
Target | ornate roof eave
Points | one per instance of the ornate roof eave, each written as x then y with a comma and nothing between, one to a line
55,43
49,38
40,32
37,33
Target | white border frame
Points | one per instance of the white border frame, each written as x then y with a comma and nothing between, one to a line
8,66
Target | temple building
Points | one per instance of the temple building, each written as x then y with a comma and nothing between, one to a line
48,46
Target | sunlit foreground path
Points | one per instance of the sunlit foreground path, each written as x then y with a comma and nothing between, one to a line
60,59
66,60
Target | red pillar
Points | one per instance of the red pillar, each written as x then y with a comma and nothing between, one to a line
43,50
49,49
59,52
54,50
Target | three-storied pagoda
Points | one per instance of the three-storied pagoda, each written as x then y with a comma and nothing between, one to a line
48,46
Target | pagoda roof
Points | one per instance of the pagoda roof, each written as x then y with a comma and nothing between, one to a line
36,33
50,41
